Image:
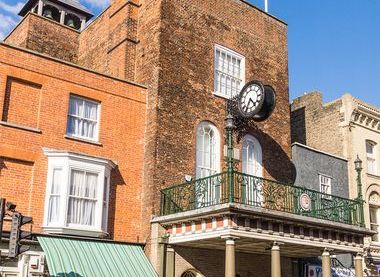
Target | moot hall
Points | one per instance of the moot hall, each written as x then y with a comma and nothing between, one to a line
101,120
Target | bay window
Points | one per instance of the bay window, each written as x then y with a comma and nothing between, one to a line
77,194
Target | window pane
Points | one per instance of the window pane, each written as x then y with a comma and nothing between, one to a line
82,198
54,200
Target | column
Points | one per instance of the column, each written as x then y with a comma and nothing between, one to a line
62,19
162,259
40,7
276,260
358,262
83,24
230,258
326,263
170,262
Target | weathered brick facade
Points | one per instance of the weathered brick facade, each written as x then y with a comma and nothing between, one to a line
34,102
46,36
168,45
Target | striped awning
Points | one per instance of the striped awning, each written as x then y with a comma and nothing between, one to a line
93,258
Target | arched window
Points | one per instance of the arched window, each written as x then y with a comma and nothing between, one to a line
51,12
191,273
252,156
208,147
374,213
72,21
252,165
207,164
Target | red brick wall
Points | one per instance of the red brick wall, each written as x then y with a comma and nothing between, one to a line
46,36
122,125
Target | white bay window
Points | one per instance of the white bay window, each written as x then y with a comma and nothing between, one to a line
77,194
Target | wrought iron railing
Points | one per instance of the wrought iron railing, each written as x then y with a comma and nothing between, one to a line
258,192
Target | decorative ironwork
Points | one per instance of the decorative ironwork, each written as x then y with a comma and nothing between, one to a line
258,192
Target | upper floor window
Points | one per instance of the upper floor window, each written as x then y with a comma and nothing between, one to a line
77,193
83,118
229,72
325,184
208,150
371,157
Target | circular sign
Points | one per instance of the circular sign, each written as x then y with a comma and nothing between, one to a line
305,202
251,99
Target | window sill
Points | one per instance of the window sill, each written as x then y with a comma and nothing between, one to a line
220,95
20,127
83,140
74,232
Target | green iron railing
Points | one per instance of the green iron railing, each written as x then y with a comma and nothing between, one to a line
258,192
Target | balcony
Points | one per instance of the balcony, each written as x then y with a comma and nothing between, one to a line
251,191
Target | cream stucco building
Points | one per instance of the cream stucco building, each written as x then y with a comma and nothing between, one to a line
349,128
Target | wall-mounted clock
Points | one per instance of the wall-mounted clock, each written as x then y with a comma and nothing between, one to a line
251,99
268,106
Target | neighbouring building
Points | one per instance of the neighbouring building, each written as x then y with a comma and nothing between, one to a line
328,174
350,128
191,57
71,153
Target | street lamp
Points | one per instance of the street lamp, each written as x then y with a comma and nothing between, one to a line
359,167
229,125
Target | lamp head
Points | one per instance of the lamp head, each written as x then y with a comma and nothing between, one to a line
358,164
229,122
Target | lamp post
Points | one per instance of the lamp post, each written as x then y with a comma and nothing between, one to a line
230,126
359,167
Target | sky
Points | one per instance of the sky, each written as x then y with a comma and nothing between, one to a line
334,45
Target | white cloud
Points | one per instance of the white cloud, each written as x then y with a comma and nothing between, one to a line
6,24
13,9
97,3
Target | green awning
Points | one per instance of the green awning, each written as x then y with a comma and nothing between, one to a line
93,258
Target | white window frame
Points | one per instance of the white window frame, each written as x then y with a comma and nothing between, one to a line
236,55
322,183
254,187
66,162
216,169
97,126
371,157
209,194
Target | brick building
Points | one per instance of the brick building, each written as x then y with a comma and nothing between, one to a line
347,127
191,56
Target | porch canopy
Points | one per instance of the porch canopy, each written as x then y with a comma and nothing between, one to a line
91,258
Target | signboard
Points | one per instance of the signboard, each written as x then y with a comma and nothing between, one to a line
316,271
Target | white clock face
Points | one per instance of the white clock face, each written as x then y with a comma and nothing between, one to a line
251,99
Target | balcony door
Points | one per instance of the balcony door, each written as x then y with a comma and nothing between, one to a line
207,190
252,165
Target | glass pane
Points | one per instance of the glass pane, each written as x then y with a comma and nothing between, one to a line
77,186
81,211
90,110
76,106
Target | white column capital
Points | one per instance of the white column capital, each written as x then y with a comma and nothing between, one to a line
229,239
